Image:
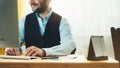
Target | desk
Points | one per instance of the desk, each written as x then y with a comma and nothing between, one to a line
79,62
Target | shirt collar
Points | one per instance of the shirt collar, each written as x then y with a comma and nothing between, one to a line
47,16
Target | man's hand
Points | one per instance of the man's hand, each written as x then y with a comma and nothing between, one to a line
34,51
12,51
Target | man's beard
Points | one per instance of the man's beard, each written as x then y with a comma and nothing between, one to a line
42,8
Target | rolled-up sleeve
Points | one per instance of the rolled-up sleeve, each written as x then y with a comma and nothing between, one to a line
67,43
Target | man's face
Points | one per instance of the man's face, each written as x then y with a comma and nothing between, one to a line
39,6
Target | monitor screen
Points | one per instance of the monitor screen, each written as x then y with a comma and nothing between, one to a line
9,34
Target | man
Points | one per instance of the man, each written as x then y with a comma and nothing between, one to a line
44,32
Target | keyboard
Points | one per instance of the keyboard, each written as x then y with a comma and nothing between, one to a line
18,57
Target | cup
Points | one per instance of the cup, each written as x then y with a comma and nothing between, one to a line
2,51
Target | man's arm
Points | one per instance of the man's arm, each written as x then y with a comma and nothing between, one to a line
67,43
21,30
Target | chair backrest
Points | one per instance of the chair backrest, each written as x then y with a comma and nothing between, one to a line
73,52
115,33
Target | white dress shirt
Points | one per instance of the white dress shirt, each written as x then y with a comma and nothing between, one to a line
67,42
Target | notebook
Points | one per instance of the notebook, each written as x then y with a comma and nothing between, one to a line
97,49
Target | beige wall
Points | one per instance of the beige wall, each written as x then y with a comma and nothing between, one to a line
22,10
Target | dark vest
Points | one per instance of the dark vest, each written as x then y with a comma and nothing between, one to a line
51,36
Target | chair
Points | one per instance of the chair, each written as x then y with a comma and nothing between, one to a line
115,33
73,52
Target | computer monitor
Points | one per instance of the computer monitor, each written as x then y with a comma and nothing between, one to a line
9,34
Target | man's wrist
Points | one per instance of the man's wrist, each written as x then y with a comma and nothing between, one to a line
44,53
